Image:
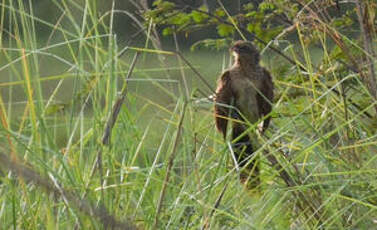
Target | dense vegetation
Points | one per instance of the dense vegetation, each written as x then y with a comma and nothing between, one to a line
100,131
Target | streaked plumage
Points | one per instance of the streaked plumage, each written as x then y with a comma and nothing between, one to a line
249,88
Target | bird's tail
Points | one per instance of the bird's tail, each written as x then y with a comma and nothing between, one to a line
243,153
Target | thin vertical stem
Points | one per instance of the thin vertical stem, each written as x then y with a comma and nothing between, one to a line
169,167
363,16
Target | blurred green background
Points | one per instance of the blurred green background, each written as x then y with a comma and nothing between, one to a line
64,63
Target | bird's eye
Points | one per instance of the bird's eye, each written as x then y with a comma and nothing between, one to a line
244,48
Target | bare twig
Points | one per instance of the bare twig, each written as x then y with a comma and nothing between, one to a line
181,66
290,182
196,72
30,175
207,221
366,30
142,6
112,119
339,41
118,104
169,167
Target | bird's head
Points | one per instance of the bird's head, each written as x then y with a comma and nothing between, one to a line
243,50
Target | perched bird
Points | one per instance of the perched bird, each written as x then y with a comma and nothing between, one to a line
244,91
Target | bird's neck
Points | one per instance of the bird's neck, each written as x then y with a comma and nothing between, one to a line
247,66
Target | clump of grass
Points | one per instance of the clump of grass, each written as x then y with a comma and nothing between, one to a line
165,166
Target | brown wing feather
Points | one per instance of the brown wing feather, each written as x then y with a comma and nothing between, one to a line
265,102
224,96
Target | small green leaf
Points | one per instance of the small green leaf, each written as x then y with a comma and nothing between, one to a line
264,6
167,5
203,8
157,2
55,108
213,44
225,30
248,6
180,19
167,31
250,27
251,14
198,17
219,13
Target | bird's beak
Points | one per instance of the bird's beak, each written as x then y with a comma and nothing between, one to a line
235,49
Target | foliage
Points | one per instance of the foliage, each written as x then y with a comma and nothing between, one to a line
260,20
166,167
323,24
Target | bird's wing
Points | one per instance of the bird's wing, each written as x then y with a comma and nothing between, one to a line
265,101
224,95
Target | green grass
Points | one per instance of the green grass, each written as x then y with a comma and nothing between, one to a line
57,96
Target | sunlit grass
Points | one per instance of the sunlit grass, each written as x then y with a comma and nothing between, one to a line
58,96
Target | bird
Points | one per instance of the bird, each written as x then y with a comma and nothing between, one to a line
244,95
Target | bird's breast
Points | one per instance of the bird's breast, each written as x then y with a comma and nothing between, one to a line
246,102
